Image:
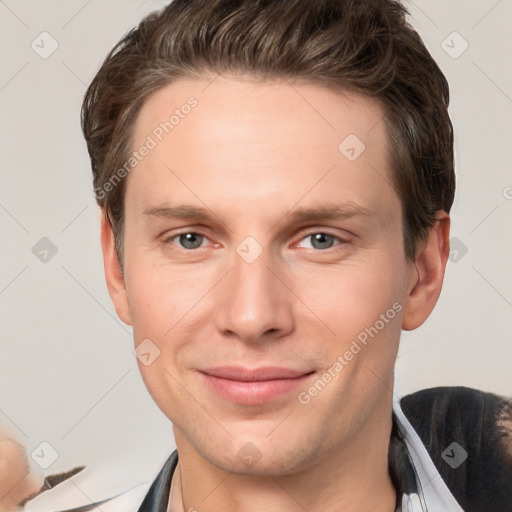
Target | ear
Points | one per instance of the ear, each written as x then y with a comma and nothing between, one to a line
113,271
427,274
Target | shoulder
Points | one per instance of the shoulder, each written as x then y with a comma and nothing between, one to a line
468,434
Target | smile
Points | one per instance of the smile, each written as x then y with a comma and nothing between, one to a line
253,387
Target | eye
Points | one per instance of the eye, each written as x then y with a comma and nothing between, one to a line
320,241
188,241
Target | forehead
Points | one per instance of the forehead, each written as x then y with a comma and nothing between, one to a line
247,106
252,140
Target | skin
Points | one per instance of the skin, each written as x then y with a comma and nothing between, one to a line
16,481
252,154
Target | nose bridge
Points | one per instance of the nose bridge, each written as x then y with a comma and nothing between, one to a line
253,300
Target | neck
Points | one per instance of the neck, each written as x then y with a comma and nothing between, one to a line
353,478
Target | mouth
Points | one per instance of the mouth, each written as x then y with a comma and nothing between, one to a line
253,386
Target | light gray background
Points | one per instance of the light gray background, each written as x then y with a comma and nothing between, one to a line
67,371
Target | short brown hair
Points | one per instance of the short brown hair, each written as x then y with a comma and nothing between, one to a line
363,46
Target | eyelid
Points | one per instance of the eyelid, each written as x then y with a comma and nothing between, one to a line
168,237
308,232
325,231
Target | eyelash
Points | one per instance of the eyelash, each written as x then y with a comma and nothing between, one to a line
338,239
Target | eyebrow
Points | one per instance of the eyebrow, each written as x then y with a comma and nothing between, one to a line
178,212
330,212
324,212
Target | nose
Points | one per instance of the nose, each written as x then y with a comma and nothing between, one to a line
254,304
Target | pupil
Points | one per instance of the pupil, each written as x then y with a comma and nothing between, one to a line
190,241
322,241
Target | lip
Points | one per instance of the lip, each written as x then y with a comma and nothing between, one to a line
253,386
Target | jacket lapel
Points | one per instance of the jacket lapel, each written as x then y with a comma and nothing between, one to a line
157,498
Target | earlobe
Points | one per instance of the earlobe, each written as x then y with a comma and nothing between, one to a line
113,271
427,274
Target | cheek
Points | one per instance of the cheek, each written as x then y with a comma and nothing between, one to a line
362,305
159,297
353,295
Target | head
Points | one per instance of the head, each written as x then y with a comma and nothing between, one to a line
275,180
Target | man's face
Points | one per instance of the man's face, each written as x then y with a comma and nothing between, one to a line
254,240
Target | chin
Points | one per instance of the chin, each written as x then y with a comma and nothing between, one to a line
261,455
